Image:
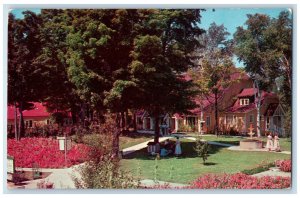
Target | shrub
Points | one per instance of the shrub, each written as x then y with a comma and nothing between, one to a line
44,152
260,168
201,149
45,185
240,181
104,173
284,165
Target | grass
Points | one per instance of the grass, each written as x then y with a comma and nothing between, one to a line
188,167
131,139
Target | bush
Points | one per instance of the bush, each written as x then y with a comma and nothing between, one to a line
260,168
44,152
240,181
284,165
103,174
201,149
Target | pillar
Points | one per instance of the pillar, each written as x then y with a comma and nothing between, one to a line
144,124
176,124
151,123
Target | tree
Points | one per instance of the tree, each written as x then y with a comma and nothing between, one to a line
215,67
202,149
159,59
265,47
23,78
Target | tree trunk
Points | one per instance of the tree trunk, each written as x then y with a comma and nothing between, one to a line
73,113
258,105
216,115
134,121
16,121
21,122
116,136
156,126
126,120
123,121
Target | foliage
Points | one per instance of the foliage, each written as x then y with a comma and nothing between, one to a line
258,169
240,181
284,165
202,148
104,174
44,152
212,75
45,185
265,47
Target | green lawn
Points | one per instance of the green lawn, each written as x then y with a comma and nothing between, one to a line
188,167
132,139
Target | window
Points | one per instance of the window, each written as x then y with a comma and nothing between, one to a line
48,122
244,102
28,123
191,121
208,120
251,118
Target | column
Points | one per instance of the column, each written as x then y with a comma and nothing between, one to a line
199,124
176,124
151,123
144,124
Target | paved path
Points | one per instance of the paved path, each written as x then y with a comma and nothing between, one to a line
237,148
140,146
273,173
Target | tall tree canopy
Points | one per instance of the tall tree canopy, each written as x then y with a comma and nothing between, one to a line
265,47
215,66
23,78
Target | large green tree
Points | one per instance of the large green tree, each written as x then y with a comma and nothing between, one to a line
214,67
265,47
23,78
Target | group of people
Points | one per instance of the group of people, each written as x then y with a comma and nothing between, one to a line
273,142
170,148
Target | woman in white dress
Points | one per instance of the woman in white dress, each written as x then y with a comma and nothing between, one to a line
276,143
178,147
269,145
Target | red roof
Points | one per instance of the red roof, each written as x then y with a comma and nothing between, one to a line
38,111
237,108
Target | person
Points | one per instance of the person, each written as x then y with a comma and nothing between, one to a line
164,152
178,150
269,145
276,145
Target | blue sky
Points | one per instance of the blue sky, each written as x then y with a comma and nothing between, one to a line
231,18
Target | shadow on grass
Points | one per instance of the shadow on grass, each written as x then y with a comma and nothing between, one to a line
133,135
209,163
229,142
187,152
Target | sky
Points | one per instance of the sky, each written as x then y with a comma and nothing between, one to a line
231,18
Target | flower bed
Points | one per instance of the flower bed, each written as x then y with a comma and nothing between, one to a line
233,181
284,165
44,152
240,181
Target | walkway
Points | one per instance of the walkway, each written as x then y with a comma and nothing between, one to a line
274,173
140,146
237,148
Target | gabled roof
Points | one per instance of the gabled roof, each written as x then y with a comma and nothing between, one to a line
39,110
237,108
